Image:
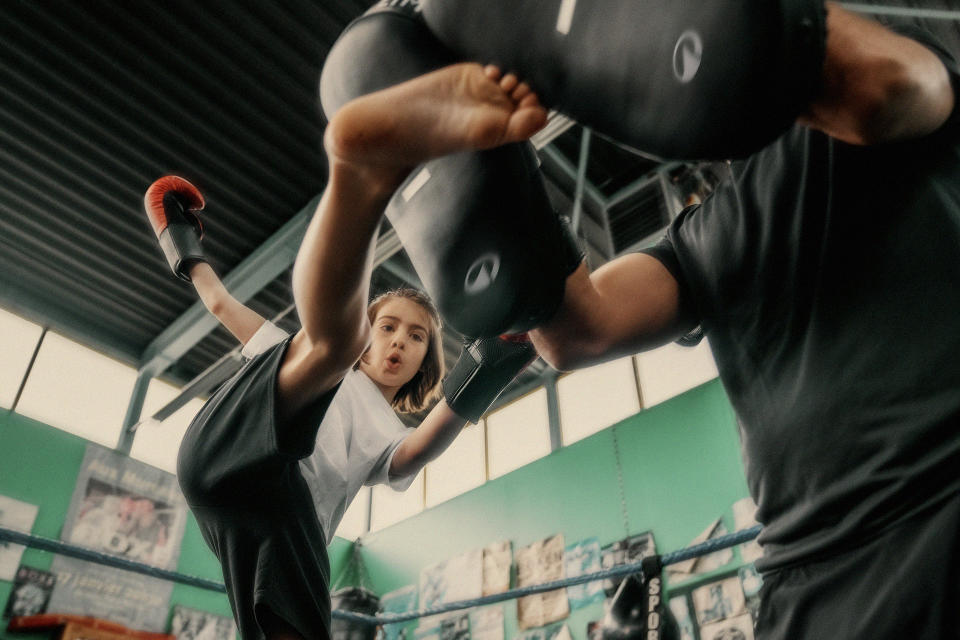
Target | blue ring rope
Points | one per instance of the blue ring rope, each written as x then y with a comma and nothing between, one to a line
83,553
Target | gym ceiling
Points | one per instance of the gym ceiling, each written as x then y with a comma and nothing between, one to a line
101,97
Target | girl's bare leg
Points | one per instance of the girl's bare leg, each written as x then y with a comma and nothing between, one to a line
372,144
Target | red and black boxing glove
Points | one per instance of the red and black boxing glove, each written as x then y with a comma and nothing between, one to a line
485,367
172,205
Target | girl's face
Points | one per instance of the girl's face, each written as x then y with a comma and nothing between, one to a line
400,338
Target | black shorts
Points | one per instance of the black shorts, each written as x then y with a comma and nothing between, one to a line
903,584
239,471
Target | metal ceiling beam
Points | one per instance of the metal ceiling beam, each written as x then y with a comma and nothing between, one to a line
407,275
594,233
641,182
553,411
220,371
589,189
557,124
581,179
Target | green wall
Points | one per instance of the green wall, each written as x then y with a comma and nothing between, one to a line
680,464
681,470
39,465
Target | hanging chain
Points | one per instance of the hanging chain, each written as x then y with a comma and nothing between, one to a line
623,497
363,574
355,573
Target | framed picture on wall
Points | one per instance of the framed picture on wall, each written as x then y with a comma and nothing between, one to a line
14,514
540,562
718,600
738,628
581,558
193,624
30,593
486,623
751,582
595,630
627,551
455,627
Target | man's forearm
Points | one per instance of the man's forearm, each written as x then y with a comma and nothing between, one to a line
628,305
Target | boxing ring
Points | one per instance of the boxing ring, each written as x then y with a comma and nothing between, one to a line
83,553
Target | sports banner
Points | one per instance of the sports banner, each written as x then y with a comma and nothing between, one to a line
127,508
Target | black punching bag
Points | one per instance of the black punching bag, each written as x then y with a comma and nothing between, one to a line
478,226
356,600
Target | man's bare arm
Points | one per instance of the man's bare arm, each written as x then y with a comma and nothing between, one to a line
878,86
630,304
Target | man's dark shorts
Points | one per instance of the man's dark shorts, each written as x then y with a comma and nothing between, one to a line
239,471
905,583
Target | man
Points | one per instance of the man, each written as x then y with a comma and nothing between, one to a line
826,274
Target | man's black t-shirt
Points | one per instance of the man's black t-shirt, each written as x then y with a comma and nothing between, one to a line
827,279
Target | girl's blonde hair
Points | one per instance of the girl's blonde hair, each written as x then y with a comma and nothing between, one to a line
424,387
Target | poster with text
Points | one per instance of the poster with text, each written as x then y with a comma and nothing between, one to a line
451,625
126,508
556,632
402,600
455,627
751,582
30,593
680,608
718,601
537,563
627,551
458,578
193,624
18,515
497,559
739,628
745,517
687,568
486,623
580,559
717,559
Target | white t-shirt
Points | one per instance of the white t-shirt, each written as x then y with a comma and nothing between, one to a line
355,443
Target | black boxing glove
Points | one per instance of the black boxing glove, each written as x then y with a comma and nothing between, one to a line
485,367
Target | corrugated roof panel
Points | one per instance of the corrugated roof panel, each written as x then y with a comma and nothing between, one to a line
100,98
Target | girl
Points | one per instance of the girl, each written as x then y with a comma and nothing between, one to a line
270,463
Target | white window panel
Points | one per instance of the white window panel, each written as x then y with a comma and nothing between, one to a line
157,443
18,339
458,469
595,398
390,507
672,369
76,389
354,521
518,434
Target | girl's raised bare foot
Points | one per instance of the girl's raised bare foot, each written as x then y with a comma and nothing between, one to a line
460,107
